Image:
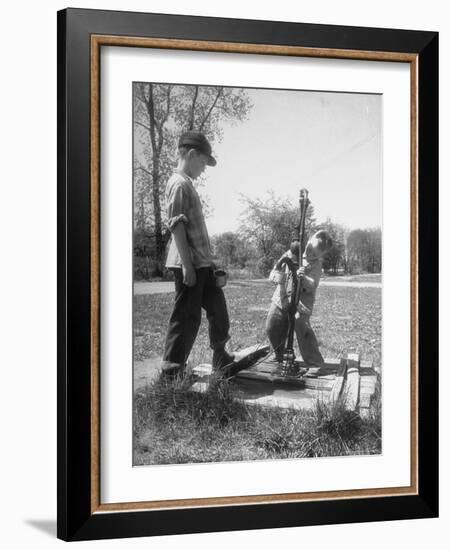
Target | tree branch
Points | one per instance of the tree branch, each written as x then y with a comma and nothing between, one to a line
143,125
219,93
140,93
194,101
140,167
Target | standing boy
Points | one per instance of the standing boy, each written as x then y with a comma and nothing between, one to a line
190,260
278,317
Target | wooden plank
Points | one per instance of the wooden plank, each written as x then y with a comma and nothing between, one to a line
332,362
272,366
269,371
367,386
298,402
318,384
329,361
366,364
365,400
329,377
367,372
271,362
315,384
269,377
268,367
351,391
369,379
204,369
251,349
263,367
339,381
273,395
321,371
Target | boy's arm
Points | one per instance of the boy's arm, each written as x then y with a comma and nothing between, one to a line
277,274
310,281
179,235
274,275
177,209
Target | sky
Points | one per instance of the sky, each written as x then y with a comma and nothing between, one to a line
328,142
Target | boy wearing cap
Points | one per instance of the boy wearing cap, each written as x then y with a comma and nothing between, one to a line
190,260
278,317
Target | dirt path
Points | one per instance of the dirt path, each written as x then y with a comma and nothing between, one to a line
164,287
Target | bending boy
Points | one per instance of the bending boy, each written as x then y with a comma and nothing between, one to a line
278,317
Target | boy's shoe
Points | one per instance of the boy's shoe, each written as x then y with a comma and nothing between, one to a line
221,359
170,371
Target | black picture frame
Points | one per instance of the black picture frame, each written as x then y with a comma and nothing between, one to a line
76,518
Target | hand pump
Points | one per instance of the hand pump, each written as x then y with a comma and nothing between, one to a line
296,249
304,204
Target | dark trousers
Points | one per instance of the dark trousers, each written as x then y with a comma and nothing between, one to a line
187,313
277,323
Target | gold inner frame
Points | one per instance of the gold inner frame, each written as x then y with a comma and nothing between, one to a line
105,40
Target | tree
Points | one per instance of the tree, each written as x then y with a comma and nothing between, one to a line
364,250
270,224
336,257
161,113
231,250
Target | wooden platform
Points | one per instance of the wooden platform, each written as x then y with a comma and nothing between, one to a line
348,380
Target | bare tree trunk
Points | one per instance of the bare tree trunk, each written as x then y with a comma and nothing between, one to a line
160,247
141,220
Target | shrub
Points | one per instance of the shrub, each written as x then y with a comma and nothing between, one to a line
146,269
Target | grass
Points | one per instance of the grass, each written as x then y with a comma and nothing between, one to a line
173,424
361,278
344,319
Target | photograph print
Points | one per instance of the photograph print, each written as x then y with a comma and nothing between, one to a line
257,270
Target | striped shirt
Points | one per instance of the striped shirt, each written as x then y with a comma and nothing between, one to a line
183,206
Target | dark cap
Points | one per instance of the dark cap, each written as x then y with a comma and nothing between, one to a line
196,140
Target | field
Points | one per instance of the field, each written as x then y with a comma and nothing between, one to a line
175,425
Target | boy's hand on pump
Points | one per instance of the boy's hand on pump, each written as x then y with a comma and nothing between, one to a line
301,271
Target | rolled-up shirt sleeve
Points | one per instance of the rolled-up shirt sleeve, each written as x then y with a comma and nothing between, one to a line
177,207
273,275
